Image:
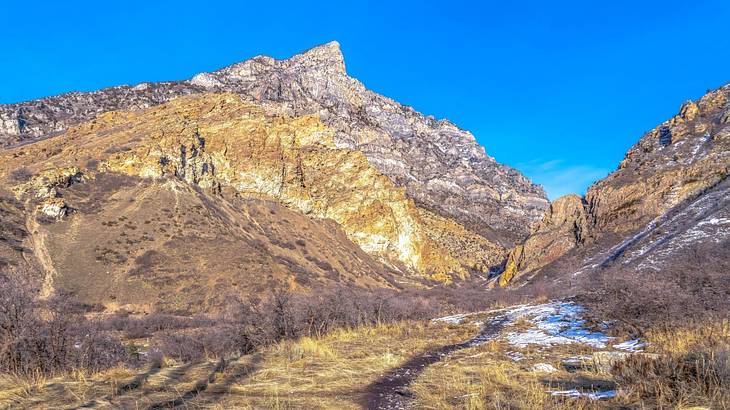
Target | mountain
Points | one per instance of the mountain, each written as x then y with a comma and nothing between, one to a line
169,196
440,166
270,173
665,205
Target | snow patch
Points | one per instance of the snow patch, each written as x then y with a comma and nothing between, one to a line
543,368
535,337
515,356
634,346
715,221
552,323
453,319
596,395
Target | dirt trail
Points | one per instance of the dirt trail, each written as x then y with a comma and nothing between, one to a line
391,390
38,243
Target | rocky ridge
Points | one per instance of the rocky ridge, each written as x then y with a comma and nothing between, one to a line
564,225
440,166
667,172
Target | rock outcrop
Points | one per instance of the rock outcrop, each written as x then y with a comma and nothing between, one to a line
440,166
564,227
654,177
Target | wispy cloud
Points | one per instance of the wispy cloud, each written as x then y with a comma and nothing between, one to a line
559,178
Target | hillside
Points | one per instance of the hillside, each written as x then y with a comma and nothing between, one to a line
207,192
665,207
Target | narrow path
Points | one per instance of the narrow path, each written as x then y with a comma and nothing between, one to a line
40,251
391,391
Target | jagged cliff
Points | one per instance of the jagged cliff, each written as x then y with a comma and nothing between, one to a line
440,166
658,199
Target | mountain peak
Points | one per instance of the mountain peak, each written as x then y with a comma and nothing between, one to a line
328,55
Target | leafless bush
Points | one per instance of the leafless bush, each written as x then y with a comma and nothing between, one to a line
49,337
21,175
247,325
222,340
148,325
644,300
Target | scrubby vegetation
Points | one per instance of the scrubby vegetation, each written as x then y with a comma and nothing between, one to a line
56,335
695,288
322,350
683,313
51,336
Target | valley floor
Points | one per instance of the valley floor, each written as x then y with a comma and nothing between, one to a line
526,357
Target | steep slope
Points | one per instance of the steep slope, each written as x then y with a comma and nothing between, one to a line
668,197
440,166
208,192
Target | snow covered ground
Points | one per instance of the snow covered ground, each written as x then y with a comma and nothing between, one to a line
633,346
552,323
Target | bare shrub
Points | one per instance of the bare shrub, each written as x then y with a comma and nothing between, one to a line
219,341
21,174
248,325
148,325
637,301
49,337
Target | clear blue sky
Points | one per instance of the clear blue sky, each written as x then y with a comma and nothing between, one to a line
559,90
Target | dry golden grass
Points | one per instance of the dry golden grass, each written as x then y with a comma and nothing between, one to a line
333,371
75,387
328,372
684,340
692,369
13,388
484,377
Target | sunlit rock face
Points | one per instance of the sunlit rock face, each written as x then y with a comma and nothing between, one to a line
563,227
441,167
659,188
654,177
226,146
